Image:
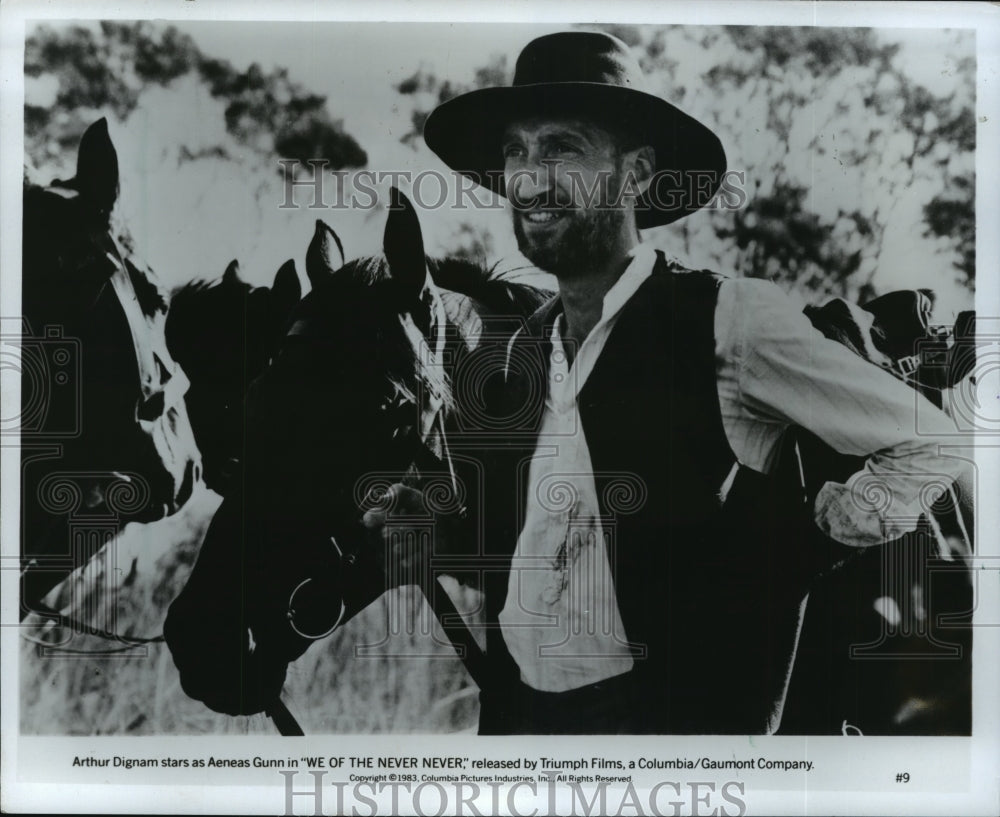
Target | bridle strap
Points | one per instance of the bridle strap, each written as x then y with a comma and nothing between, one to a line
63,620
454,626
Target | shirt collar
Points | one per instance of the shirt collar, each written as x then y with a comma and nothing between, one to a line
638,270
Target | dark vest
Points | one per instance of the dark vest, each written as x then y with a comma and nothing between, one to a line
710,594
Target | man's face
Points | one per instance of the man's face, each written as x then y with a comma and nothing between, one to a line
563,179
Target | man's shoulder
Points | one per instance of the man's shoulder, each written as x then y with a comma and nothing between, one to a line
670,269
755,296
667,264
673,279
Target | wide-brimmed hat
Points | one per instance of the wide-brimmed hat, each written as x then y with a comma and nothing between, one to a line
593,75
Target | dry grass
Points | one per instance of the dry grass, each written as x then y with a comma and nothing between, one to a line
408,680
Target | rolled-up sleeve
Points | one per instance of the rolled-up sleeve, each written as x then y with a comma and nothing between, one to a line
789,373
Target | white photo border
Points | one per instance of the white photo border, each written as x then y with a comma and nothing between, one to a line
976,784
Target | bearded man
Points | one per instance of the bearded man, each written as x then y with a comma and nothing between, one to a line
647,572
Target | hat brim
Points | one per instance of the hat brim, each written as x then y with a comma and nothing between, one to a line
466,132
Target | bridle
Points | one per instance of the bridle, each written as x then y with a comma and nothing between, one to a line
414,448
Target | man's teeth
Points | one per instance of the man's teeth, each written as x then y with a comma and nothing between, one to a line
542,216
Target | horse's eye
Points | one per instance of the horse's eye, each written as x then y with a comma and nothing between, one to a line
392,407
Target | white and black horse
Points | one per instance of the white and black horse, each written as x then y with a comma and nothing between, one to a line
105,436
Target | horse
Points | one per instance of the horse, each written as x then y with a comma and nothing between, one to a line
360,394
105,435
880,653
223,333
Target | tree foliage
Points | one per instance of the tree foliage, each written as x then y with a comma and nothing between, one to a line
109,70
430,91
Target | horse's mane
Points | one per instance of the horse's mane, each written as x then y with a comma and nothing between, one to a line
148,291
496,290
467,289
196,285
188,308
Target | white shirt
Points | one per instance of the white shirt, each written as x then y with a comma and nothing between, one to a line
561,620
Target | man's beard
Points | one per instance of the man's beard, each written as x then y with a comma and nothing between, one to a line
585,242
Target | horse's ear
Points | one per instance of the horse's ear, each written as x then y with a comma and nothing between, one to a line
325,253
232,273
97,167
286,290
403,246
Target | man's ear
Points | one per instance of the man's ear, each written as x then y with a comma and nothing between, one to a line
643,165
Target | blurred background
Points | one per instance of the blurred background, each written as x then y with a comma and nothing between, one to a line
857,145
858,153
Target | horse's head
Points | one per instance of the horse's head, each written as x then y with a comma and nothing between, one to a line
224,333
850,325
118,411
894,331
68,251
359,380
349,402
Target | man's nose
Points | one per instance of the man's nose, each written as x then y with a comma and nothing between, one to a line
530,180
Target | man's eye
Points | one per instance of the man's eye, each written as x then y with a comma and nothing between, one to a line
566,147
513,152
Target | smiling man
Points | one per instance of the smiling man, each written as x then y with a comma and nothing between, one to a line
647,570
567,179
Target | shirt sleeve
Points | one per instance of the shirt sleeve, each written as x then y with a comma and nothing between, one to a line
790,373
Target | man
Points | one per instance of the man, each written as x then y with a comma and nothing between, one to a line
645,574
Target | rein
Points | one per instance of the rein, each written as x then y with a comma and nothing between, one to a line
454,626
128,641
464,643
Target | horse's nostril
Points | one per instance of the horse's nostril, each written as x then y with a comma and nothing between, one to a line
192,474
152,407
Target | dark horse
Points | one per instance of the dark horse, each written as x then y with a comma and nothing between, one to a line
224,333
105,437
359,395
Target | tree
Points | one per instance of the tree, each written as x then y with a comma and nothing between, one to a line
267,112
